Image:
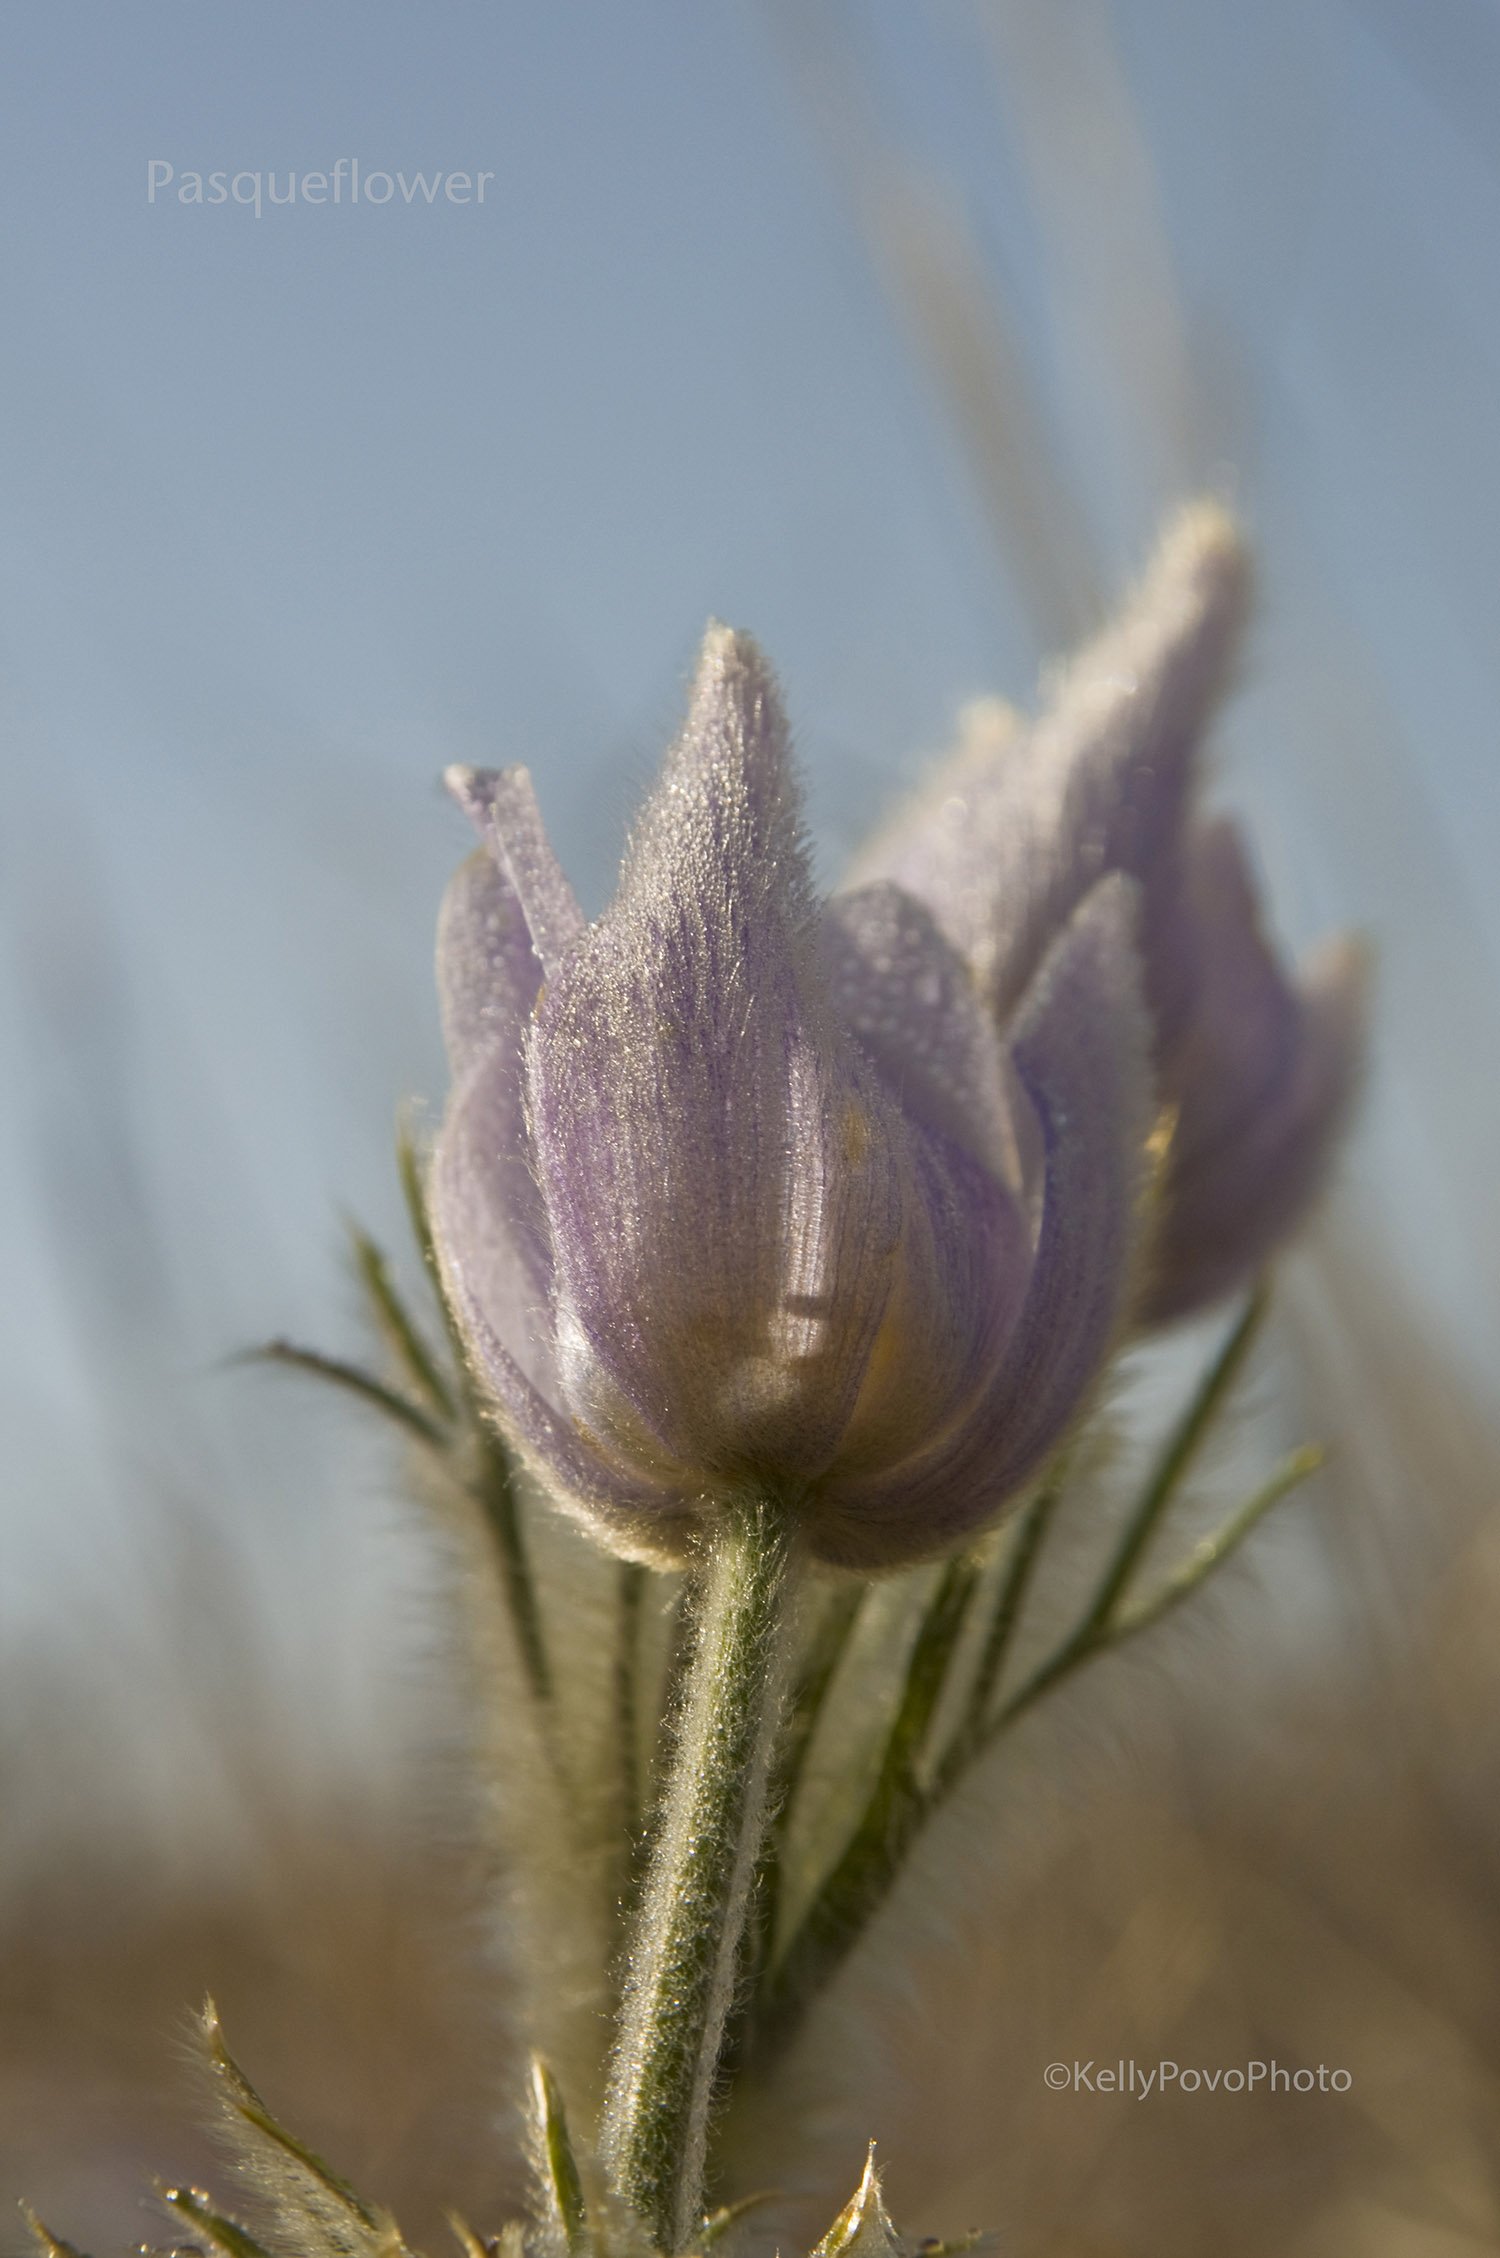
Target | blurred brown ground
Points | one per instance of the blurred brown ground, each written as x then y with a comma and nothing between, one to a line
1246,1843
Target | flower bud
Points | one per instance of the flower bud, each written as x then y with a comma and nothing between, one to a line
738,1193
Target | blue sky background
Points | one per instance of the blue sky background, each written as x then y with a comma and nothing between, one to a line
295,511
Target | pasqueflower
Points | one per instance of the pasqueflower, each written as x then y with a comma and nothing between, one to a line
1255,1067
738,1194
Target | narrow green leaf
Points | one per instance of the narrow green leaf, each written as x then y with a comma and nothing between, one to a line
241,2099
1182,1448
398,1327
899,1806
49,2244
863,2228
557,2167
510,2242
863,1874
225,2234
468,2241
411,1169
718,2223
829,1645
830,1641
493,1489
631,1590
406,1414
1199,1565
1201,1562
1092,1632
1017,1574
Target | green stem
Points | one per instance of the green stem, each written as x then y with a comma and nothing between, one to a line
681,1971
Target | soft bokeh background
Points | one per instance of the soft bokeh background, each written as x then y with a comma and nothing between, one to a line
887,330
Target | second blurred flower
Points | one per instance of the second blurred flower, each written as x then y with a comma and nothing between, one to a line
1256,1067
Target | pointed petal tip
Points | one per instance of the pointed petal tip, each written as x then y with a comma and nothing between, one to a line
727,793
724,645
474,791
1203,535
988,724
1202,560
731,670
718,638
501,804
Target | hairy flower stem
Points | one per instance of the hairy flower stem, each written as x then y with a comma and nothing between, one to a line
681,1972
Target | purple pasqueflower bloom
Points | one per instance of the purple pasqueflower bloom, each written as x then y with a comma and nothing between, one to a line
1255,1066
736,1192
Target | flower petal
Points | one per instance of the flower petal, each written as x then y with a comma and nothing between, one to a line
502,806
488,1217
718,1166
488,973
1262,1081
967,1250
638,1522
904,992
951,844
1082,1051
1014,830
